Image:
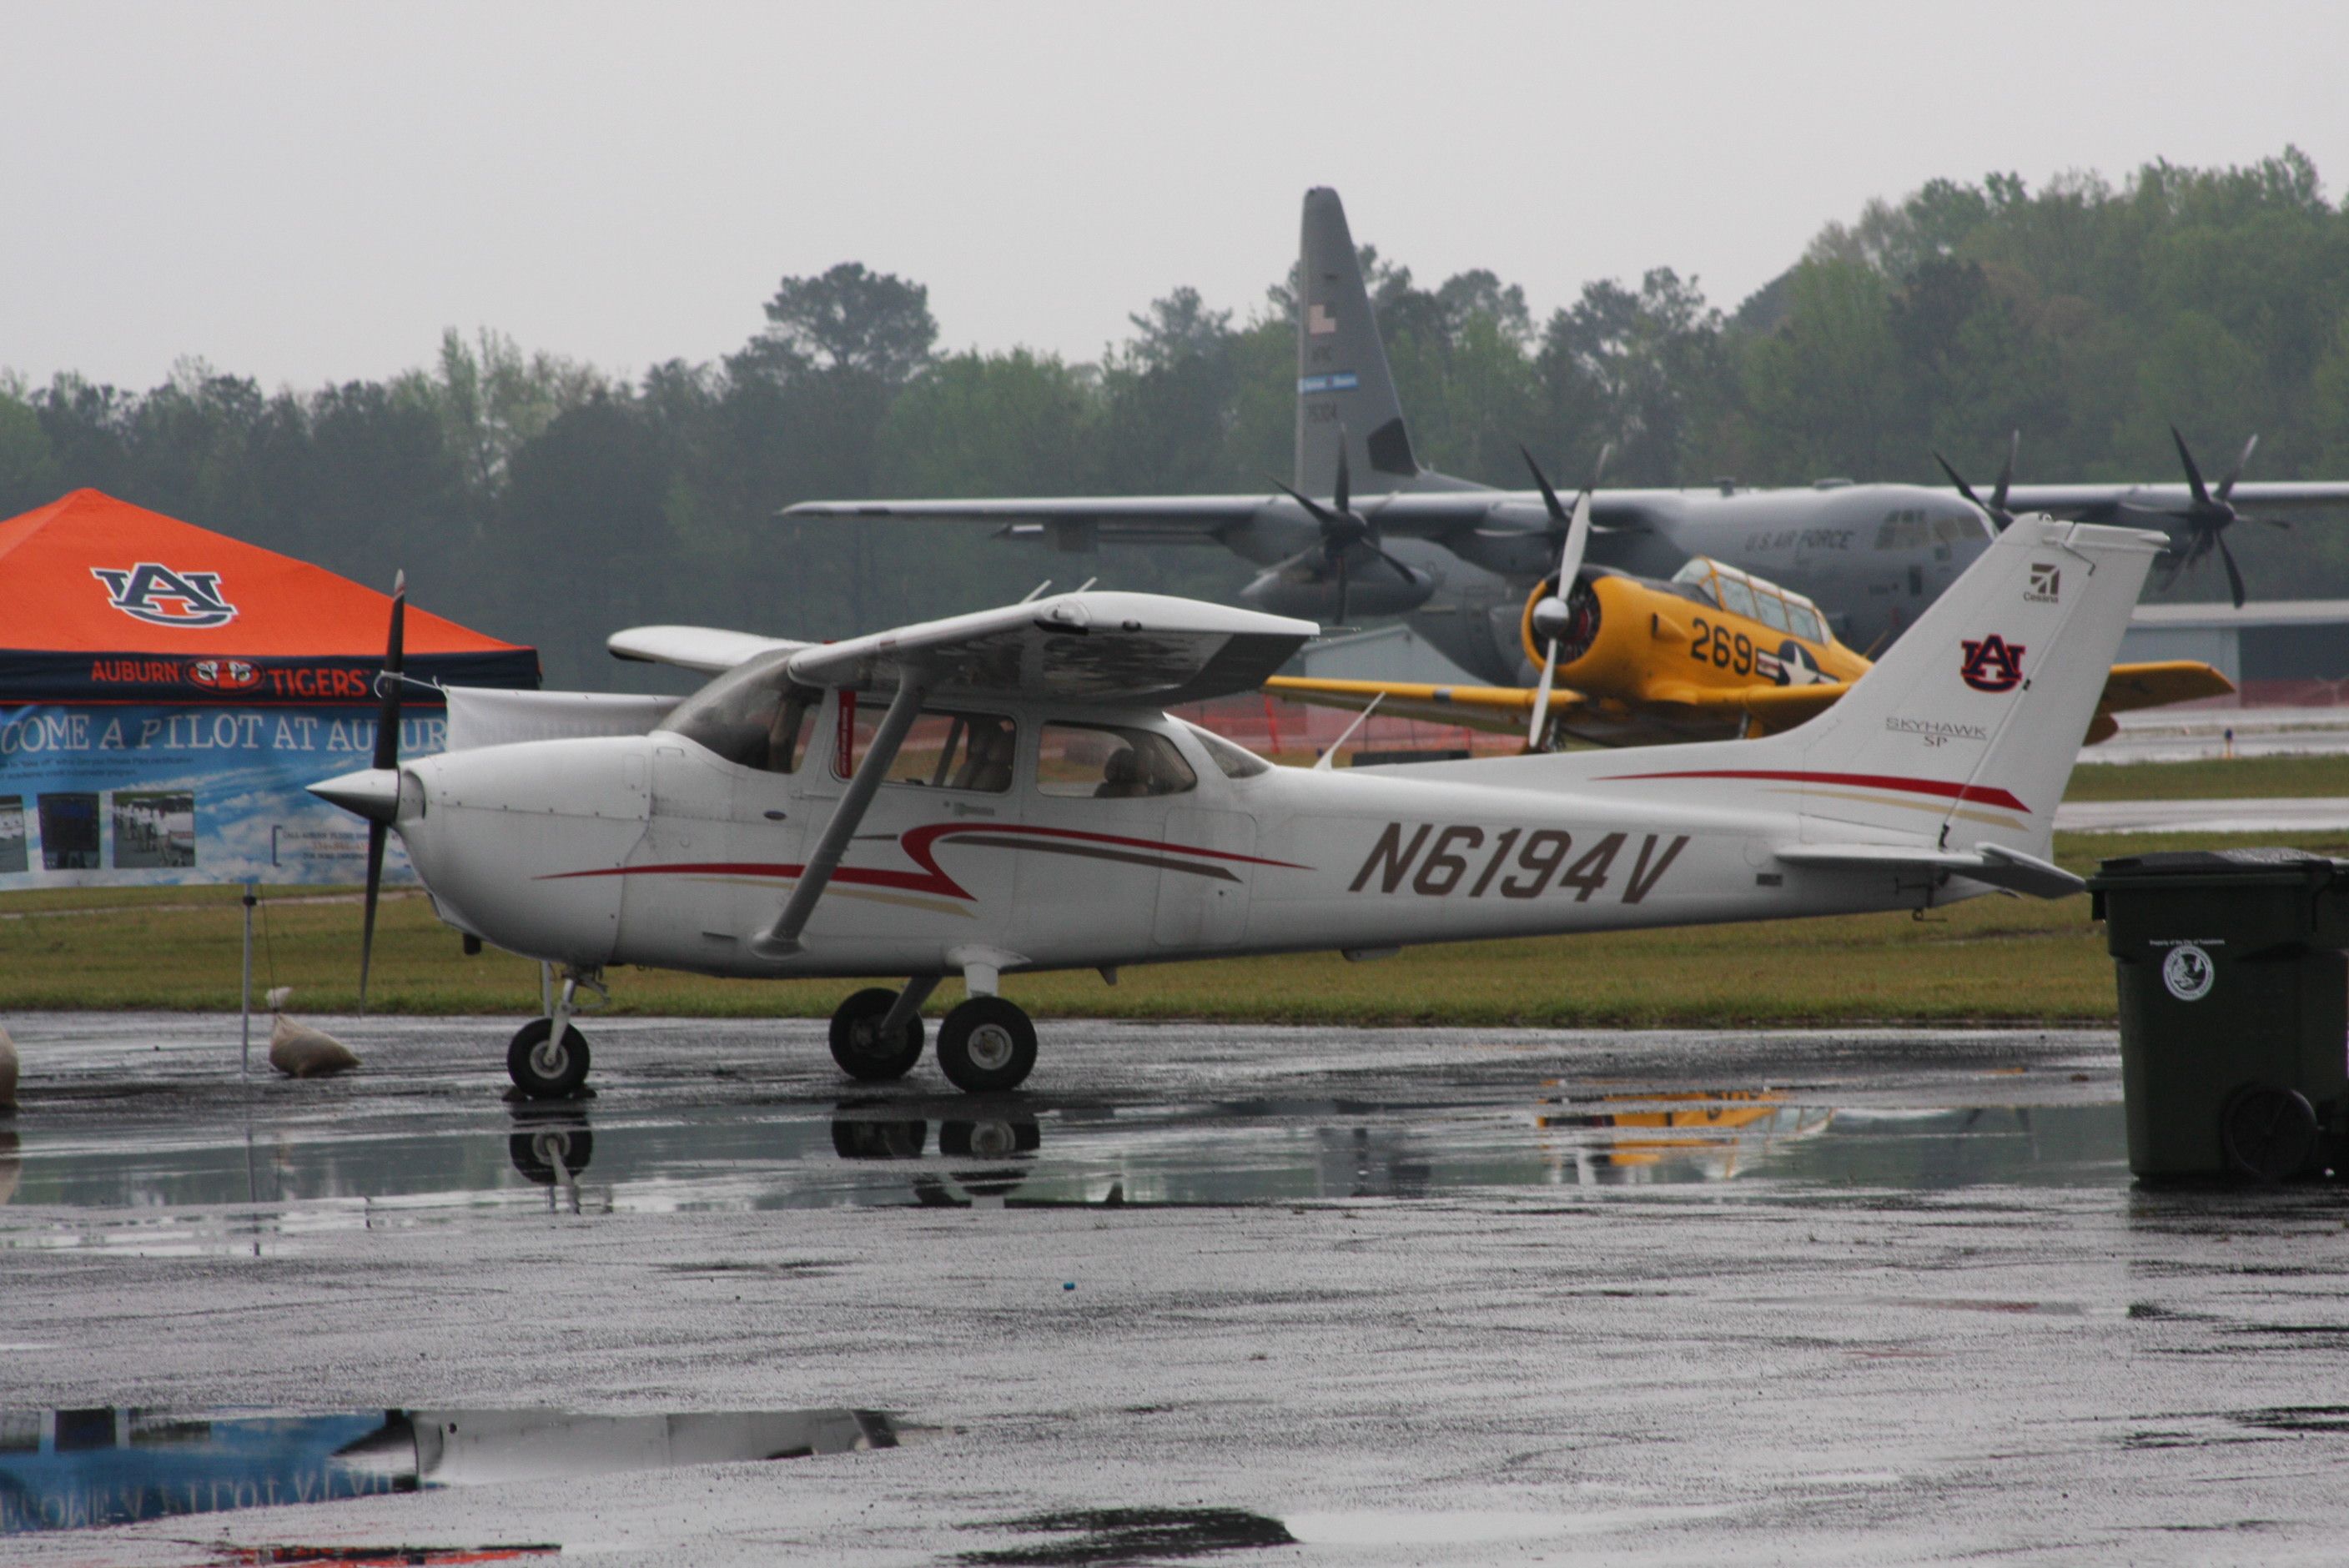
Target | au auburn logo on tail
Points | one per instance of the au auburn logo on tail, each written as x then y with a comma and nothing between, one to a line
162,597
1994,664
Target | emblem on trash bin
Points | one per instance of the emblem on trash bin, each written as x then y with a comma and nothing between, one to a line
2187,972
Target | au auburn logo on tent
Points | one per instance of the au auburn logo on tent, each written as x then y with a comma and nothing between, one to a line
162,597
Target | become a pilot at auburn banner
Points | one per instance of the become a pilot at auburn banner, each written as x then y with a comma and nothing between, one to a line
139,792
168,692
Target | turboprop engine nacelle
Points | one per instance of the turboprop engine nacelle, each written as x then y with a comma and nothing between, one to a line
1294,589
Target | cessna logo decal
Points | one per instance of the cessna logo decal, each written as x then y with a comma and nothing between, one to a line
2046,583
162,597
1994,664
1456,859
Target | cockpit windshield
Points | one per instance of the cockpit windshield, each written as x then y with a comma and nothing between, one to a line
752,716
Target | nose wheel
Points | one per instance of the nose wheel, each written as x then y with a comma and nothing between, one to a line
986,1046
543,1067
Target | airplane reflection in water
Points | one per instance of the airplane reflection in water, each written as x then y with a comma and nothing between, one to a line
1030,1150
64,1469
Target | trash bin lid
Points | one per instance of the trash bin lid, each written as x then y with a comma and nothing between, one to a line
2240,867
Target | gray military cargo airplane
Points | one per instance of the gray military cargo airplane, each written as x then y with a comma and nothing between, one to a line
1459,559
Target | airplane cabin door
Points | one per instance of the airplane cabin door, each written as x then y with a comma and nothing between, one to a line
1202,903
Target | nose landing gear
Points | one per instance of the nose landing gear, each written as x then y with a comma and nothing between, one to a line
547,1058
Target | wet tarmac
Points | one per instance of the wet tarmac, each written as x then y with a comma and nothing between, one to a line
1240,1295
2313,814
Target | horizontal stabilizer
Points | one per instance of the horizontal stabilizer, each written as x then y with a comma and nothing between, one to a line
1993,864
709,649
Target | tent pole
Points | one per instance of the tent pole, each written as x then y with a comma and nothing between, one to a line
244,1068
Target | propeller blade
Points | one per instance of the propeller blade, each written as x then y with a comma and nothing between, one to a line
387,756
1549,496
2193,474
1320,514
1577,541
376,832
1541,699
2006,474
2227,485
1958,480
1402,570
1342,587
1345,483
2234,576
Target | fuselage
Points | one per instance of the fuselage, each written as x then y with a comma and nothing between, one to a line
658,850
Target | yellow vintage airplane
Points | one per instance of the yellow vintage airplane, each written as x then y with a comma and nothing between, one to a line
1714,653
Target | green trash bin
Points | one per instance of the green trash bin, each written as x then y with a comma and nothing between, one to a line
2234,1004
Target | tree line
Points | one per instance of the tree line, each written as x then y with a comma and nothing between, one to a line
549,501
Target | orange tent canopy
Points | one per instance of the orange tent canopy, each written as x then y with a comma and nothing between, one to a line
88,574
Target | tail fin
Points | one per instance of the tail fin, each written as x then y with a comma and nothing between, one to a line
1343,388
1964,735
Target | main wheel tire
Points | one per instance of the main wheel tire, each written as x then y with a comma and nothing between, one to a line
856,1043
987,1044
536,1149
544,1070
2269,1133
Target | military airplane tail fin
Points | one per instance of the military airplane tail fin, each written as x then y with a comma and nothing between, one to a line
1344,391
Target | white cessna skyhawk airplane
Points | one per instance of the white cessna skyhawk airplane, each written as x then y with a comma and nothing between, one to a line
1001,791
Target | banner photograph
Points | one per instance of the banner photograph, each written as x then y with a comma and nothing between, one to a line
168,692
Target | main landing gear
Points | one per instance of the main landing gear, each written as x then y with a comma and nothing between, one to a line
547,1059
986,1045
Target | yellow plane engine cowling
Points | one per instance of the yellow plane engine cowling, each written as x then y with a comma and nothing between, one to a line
1584,616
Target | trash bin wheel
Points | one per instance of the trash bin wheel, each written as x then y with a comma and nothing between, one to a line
2269,1133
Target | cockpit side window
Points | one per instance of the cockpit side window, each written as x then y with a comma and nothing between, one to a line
752,716
1109,762
1773,608
945,749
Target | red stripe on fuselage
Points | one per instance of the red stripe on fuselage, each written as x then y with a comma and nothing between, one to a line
1864,780
919,845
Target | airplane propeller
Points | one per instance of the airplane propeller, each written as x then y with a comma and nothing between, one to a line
387,757
1343,529
1551,616
2209,515
1996,506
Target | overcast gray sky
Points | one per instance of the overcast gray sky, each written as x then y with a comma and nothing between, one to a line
307,192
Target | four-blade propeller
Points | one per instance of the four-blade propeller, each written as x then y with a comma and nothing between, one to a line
1343,531
2209,515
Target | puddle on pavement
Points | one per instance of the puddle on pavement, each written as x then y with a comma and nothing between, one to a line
587,1158
68,1469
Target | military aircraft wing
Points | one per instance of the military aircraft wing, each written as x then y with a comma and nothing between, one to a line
1433,514
2097,500
1127,648
709,649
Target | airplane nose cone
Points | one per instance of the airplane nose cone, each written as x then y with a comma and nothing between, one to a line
371,792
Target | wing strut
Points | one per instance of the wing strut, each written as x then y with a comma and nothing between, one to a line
781,939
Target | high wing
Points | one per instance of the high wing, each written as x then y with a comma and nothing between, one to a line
708,649
1433,514
1126,648
2095,501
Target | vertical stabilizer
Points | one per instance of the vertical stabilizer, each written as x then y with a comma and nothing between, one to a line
1342,381
1964,735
